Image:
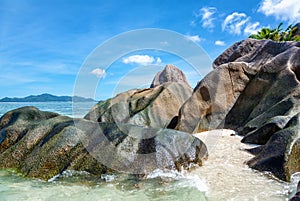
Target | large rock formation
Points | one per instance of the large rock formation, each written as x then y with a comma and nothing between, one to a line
43,144
253,89
266,111
169,74
275,85
151,107
216,94
213,97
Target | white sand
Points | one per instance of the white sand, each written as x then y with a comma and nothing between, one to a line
227,176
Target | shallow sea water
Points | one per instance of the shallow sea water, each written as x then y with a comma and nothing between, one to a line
72,187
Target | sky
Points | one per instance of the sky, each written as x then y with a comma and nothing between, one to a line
44,45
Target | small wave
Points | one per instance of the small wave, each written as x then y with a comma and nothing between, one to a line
108,177
68,173
165,174
183,178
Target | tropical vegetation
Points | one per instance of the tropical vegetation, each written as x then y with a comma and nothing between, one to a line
277,34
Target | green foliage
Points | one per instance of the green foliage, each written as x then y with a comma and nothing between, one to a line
289,34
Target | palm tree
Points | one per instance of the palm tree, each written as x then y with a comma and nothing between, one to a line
277,34
264,33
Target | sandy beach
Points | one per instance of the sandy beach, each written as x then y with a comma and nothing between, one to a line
226,174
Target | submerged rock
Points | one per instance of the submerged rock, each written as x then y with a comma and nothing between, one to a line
42,144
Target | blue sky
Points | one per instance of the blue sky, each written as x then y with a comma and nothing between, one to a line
43,44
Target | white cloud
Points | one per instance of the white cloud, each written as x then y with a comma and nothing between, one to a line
141,59
194,38
234,22
206,14
251,28
288,10
220,43
98,72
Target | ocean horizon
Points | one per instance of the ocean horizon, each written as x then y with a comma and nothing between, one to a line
62,108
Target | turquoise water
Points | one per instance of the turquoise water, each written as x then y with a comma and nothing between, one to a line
80,187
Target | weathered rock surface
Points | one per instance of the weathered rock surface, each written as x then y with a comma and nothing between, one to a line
272,92
253,89
138,150
43,144
255,52
152,107
216,94
265,109
169,74
276,155
213,97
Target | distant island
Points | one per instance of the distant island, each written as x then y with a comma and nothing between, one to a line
47,98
